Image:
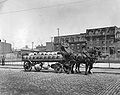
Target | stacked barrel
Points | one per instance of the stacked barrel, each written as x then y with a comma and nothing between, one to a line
44,56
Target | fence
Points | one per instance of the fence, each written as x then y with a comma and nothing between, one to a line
108,62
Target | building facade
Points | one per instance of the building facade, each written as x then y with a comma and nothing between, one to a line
103,38
49,46
41,48
5,48
75,41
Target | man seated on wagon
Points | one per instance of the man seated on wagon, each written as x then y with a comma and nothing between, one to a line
66,51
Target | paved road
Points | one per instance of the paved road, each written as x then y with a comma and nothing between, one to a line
17,82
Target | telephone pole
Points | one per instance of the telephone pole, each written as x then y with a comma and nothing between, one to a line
32,45
106,40
59,42
58,35
52,43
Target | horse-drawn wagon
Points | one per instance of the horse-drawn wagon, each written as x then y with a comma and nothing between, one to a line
63,61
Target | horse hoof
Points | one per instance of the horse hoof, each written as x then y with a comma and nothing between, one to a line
79,72
89,72
72,72
85,73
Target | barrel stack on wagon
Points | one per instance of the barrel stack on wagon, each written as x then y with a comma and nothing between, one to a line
37,60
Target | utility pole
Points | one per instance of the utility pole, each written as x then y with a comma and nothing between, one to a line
106,45
91,39
3,57
52,43
106,40
32,45
4,47
59,37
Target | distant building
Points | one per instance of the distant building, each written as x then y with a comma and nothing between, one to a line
41,48
49,46
5,48
75,41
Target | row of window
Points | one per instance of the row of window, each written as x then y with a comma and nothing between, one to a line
102,42
72,46
70,39
100,31
78,48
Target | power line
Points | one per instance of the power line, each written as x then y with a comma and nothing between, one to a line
70,3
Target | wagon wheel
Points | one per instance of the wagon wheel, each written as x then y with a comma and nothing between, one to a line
58,69
66,68
27,66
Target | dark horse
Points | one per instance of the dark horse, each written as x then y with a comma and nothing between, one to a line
88,58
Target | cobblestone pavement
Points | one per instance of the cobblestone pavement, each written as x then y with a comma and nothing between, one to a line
18,82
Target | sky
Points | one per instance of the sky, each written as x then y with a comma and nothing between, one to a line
25,21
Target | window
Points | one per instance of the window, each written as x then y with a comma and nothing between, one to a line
103,42
90,33
112,41
71,39
111,30
103,48
96,32
97,39
62,40
103,31
75,39
78,39
66,39
72,44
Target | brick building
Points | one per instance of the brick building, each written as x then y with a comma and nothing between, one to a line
76,41
5,48
103,38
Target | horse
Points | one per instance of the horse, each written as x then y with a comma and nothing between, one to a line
69,59
88,58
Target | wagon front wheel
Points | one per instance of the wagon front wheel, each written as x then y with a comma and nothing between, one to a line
27,66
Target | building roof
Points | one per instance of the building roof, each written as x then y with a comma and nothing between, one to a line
102,27
72,35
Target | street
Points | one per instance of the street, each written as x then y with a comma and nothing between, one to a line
14,81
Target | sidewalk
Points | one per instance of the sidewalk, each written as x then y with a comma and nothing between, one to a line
11,67
106,70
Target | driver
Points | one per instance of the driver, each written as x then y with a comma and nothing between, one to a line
65,49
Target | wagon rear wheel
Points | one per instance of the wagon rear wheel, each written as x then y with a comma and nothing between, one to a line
27,66
58,70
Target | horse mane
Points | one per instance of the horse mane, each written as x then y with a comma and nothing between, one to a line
62,48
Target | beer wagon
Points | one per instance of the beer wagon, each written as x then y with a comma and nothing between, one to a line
38,60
